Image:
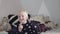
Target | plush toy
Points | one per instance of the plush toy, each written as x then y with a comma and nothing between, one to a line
5,26
50,24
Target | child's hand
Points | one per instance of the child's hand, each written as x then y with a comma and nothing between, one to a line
20,27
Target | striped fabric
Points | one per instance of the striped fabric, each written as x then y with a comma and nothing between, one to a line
13,19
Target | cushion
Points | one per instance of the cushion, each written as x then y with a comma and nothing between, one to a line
13,19
40,18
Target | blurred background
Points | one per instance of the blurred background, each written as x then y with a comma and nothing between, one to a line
49,8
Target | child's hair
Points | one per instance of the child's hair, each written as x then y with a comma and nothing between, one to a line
29,16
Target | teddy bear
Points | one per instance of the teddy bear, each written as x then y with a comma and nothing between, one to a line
5,26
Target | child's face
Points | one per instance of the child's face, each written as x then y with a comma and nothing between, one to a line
23,16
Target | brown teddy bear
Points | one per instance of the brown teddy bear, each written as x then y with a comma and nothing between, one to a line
5,26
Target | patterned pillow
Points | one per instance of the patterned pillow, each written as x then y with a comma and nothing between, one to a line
13,19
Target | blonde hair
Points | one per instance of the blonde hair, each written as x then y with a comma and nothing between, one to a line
23,10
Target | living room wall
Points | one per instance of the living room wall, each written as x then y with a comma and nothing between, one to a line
54,9
9,7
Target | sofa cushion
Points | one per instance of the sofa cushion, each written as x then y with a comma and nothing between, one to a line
13,19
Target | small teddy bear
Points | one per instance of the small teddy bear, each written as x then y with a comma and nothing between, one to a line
5,26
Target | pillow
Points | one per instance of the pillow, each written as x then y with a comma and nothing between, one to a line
38,18
13,19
